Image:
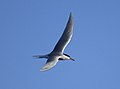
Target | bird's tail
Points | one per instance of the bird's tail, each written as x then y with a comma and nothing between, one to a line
40,56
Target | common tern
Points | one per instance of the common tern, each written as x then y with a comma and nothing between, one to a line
58,52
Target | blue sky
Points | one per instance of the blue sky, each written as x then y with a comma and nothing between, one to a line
29,27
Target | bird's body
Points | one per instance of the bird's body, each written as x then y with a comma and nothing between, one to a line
58,52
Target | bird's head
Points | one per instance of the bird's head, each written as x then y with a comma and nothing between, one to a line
69,57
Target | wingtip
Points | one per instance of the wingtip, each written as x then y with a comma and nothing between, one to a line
70,13
43,70
70,18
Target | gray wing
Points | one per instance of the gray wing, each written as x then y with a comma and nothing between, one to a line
66,36
51,62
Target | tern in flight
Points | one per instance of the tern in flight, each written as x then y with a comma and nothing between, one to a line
58,52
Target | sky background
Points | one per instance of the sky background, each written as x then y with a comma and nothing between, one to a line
30,27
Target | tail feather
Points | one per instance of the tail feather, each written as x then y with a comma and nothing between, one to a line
40,56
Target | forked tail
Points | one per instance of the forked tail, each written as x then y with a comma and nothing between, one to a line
40,56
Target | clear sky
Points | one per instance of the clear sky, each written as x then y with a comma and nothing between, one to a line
29,27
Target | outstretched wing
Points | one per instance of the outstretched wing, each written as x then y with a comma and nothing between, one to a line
51,62
66,36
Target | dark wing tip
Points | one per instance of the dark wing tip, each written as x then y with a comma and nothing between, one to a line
70,14
71,18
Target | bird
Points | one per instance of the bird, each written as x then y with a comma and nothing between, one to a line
57,53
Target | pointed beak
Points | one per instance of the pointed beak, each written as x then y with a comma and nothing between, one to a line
72,59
